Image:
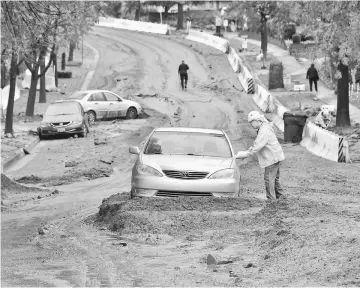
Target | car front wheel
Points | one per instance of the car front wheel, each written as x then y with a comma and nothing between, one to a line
131,113
92,117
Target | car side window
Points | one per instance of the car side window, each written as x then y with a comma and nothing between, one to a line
97,97
111,97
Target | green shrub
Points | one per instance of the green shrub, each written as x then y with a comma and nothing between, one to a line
276,77
64,74
296,38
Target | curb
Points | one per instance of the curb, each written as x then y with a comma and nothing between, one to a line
19,155
36,141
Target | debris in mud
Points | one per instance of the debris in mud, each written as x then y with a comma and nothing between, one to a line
107,160
224,262
39,197
120,244
210,260
146,95
100,141
71,164
42,231
55,192
249,265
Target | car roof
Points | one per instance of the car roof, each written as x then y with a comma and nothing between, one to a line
93,91
190,129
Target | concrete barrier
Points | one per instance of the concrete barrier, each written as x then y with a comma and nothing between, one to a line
278,113
210,40
246,80
234,60
134,25
263,99
324,143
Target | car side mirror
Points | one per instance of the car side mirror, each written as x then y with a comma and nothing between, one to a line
41,115
134,150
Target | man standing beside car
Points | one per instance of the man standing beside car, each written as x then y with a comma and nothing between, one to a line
269,152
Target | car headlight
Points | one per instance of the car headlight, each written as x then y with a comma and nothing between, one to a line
44,124
148,171
223,174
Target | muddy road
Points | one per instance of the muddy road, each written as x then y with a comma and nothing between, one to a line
166,243
73,253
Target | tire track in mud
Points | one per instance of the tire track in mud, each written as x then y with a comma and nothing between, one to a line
154,50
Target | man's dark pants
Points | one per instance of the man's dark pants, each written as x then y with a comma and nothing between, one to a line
183,77
315,83
218,30
272,181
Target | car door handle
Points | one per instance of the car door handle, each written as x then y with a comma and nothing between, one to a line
111,103
96,103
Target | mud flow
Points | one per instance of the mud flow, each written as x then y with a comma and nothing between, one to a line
67,216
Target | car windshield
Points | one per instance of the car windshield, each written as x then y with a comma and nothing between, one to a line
67,108
78,95
188,143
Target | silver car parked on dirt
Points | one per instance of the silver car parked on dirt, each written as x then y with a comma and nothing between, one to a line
104,104
179,161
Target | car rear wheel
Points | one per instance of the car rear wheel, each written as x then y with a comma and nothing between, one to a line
92,117
131,113
84,133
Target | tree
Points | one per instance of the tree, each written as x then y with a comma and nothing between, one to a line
180,20
34,28
337,23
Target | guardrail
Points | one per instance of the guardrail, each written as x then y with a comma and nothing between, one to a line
134,25
210,40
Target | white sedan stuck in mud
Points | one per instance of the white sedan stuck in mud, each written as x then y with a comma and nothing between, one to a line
179,161
104,104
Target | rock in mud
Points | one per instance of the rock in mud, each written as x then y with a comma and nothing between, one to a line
55,192
210,260
71,164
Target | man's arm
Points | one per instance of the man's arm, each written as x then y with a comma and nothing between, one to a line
187,67
260,141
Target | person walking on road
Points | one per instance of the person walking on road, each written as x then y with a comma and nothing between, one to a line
183,74
269,152
313,76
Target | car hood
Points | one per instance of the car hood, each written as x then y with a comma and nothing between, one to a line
186,162
61,118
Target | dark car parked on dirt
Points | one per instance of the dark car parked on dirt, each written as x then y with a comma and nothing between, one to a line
64,118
